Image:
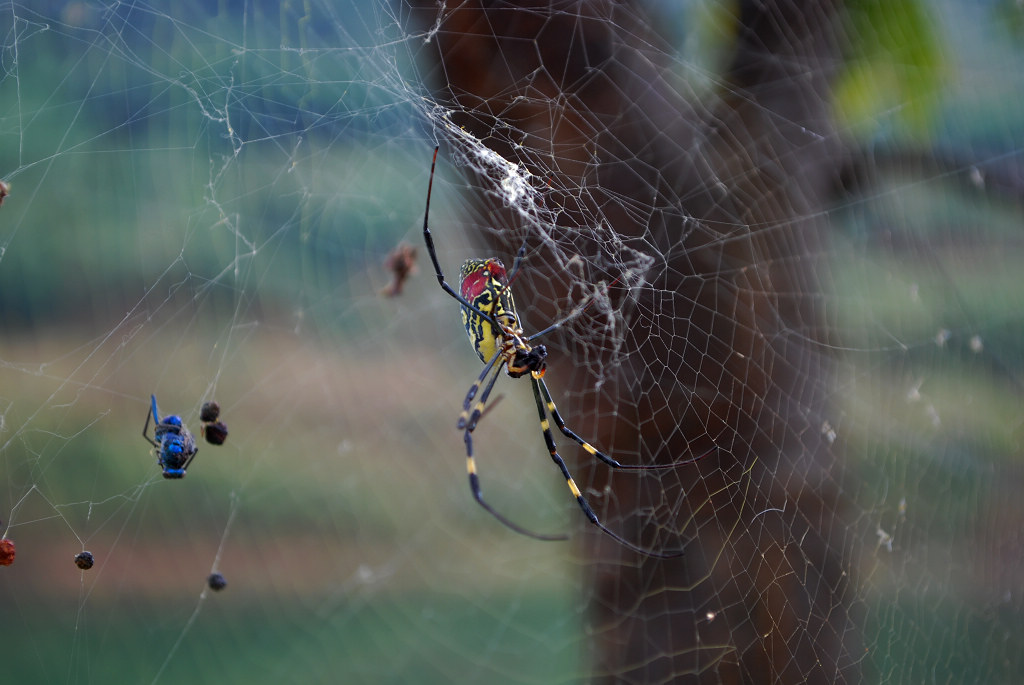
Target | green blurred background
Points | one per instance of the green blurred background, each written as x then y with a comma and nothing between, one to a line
202,200
201,210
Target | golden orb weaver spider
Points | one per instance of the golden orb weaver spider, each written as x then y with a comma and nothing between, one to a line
492,324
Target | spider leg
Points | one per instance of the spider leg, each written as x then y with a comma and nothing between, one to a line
568,317
514,271
558,324
478,409
593,451
561,322
510,278
580,499
464,417
474,480
145,428
428,238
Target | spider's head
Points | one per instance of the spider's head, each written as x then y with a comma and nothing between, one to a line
174,473
528,360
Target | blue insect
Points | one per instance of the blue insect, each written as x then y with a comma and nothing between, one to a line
175,447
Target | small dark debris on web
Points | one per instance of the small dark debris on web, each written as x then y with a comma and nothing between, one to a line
7,552
217,582
84,560
215,432
209,412
400,263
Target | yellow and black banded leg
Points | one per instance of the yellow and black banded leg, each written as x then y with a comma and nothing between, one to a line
573,488
594,452
464,417
474,480
469,421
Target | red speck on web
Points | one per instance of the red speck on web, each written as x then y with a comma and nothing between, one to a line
6,552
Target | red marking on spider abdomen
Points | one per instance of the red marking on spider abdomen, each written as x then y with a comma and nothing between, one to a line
479,275
473,284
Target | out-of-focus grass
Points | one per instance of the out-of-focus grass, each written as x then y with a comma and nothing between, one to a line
353,536
415,637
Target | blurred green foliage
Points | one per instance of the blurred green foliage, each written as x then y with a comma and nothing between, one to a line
405,638
167,154
894,65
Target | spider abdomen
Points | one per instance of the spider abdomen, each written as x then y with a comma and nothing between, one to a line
484,284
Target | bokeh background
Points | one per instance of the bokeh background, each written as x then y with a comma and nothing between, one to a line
202,201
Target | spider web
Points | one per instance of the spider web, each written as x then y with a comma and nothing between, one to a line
786,235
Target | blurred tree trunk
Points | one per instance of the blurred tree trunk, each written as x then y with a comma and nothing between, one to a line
727,346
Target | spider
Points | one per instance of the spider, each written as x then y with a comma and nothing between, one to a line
492,324
175,447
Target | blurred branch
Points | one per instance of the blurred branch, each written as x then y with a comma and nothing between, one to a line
729,193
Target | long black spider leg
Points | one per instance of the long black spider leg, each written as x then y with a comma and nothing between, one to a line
428,238
580,499
511,274
474,481
510,277
593,451
561,322
568,317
